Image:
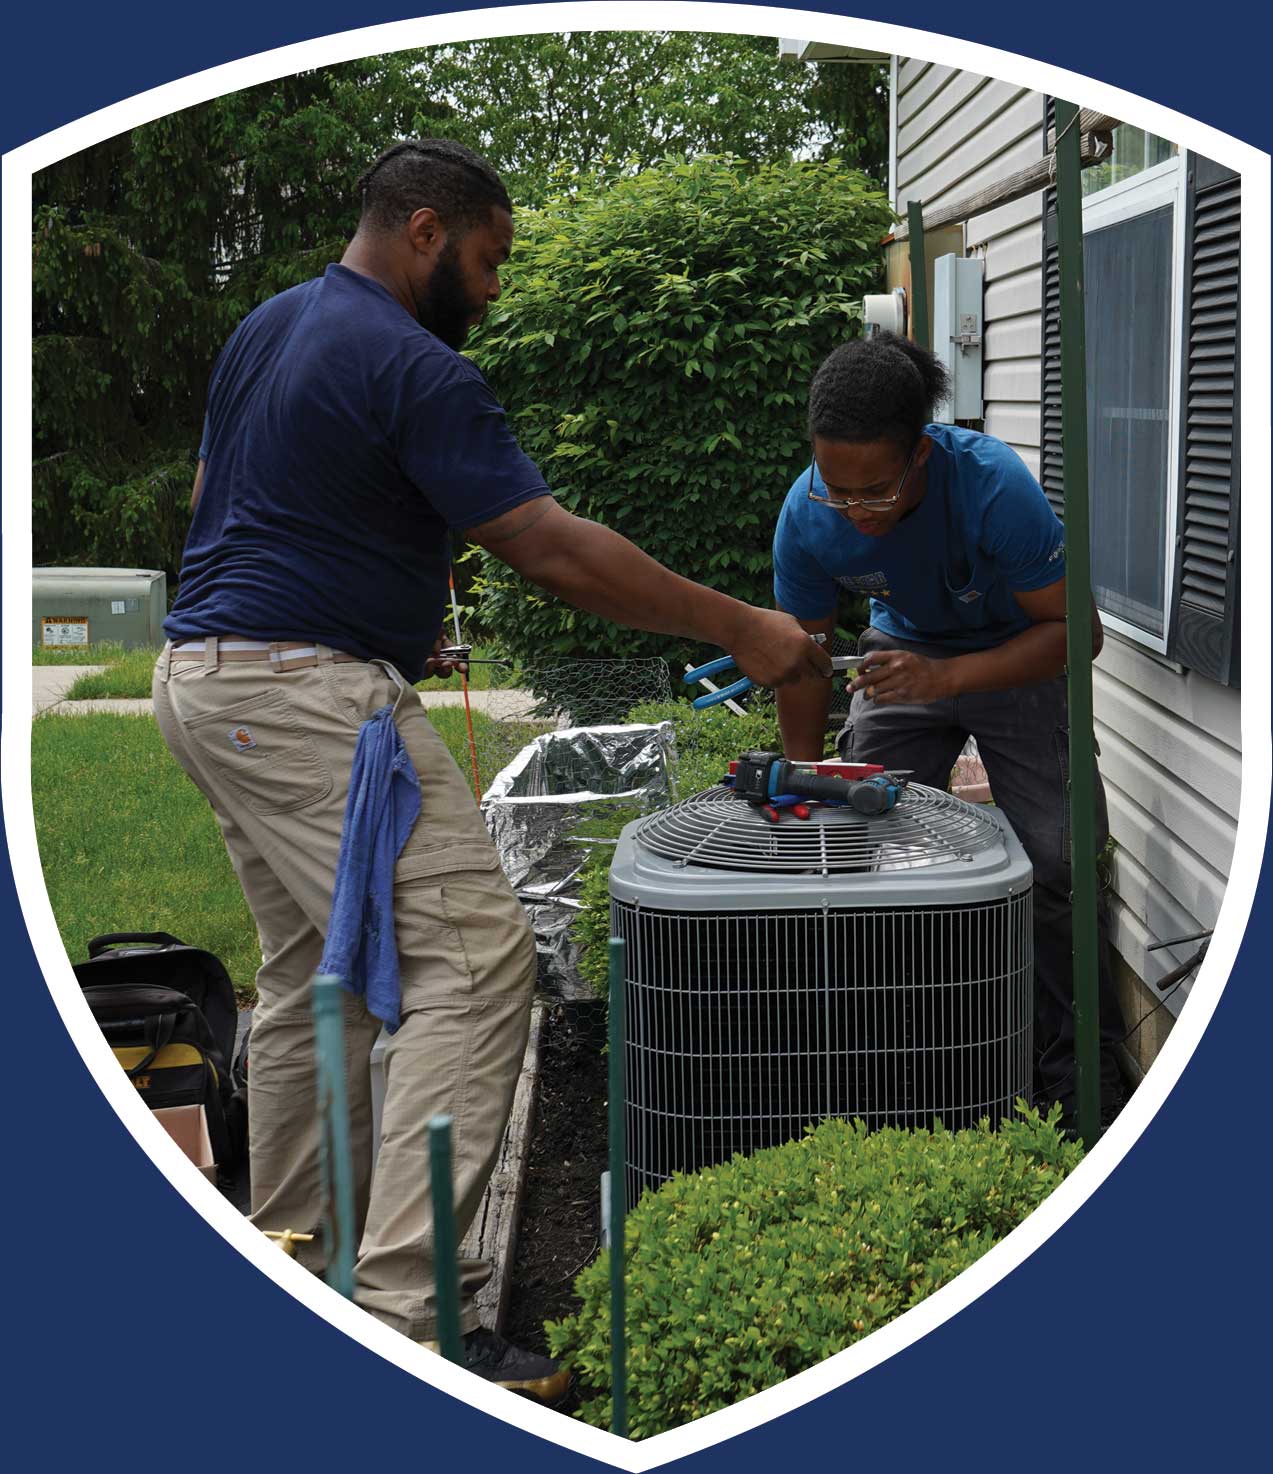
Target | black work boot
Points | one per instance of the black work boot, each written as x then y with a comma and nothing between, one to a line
507,1365
498,1361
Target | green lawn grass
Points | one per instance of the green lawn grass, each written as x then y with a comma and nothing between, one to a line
128,675
127,843
105,652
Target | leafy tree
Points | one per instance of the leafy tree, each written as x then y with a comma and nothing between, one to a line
850,101
147,250
150,247
552,110
654,346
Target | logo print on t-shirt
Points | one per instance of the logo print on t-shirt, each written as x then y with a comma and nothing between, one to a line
241,739
865,583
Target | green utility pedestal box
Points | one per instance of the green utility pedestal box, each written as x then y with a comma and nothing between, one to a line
80,607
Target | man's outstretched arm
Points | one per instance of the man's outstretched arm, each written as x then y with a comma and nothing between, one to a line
596,569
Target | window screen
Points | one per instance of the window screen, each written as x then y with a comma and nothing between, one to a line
1128,276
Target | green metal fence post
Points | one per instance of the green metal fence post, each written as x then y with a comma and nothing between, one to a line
1078,584
618,1198
446,1275
335,1158
919,274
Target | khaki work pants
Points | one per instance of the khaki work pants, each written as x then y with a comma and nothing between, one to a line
466,954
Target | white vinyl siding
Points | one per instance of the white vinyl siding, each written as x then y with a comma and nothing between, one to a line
1172,763
957,132
1170,740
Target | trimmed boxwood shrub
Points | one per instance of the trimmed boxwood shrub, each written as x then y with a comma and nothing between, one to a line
742,1275
654,348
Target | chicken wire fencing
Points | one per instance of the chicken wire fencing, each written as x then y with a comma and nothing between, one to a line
525,699
558,770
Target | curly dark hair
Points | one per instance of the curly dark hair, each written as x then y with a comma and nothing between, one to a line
429,173
880,388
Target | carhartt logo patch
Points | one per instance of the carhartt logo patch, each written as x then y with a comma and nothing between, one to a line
241,739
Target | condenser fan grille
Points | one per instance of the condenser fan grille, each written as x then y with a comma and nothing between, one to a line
717,831
743,1029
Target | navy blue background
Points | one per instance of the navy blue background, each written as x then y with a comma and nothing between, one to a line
1137,1336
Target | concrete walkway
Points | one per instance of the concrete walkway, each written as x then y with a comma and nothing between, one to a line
50,683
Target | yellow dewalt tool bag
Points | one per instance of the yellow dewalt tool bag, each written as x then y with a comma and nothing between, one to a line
150,1005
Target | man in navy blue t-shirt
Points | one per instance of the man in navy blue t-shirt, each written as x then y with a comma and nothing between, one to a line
345,439
963,560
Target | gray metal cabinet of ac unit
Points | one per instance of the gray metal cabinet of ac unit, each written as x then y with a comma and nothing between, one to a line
775,974
73,607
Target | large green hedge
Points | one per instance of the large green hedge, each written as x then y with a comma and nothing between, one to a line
742,1275
654,346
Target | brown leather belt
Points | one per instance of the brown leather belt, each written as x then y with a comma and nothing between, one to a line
283,655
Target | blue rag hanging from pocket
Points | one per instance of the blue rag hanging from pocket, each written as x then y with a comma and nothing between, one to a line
383,806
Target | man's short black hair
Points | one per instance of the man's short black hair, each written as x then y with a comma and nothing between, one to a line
880,388
429,173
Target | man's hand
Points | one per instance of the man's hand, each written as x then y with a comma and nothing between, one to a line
443,668
894,676
773,649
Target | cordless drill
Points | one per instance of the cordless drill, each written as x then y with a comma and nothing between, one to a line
761,777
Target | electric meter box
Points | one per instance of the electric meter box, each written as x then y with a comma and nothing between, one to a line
81,607
957,331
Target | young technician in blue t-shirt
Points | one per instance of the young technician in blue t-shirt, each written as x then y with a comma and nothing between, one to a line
345,439
963,560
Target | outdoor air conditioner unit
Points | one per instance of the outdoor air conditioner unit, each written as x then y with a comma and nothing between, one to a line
840,965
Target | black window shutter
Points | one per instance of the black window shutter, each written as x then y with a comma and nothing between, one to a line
1204,624
1051,473
1203,621
1051,467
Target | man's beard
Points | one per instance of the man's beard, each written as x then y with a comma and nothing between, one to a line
442,305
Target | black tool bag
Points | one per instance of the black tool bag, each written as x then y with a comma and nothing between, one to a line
168,1012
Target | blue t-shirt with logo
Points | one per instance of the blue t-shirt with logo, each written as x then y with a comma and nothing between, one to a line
945,574
342,443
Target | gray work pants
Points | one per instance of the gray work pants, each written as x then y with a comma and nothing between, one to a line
1023,737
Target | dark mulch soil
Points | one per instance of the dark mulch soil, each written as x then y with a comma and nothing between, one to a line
560,1225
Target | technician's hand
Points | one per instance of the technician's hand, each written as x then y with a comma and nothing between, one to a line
443,668
891,677
772,648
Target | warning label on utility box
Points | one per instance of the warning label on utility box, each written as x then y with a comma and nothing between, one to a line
61,632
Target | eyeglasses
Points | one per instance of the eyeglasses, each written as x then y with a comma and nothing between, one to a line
870,504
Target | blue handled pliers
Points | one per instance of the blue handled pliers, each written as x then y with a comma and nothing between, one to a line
839,663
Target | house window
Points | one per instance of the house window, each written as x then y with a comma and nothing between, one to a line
1134,151
1133,252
